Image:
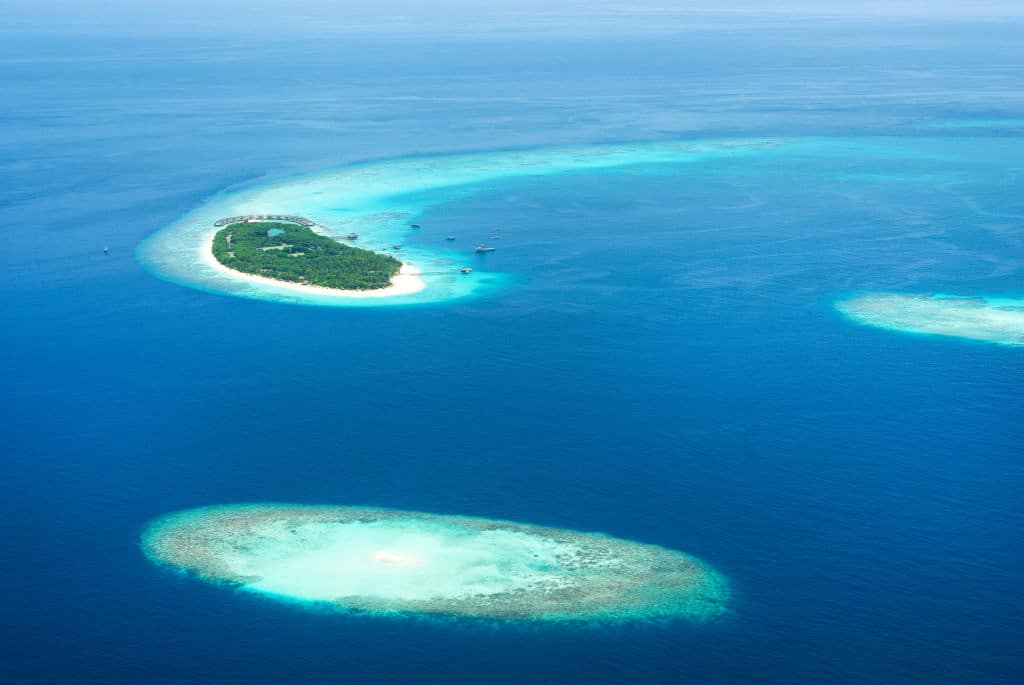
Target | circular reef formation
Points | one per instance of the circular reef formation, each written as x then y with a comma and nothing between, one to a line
384,561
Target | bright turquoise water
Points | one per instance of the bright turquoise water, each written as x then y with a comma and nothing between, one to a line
660,359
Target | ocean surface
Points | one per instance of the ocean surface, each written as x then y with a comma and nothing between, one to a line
660,360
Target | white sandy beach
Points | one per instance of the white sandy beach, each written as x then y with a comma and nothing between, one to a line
406,282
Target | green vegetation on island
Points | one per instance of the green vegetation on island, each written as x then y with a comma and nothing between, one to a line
290,252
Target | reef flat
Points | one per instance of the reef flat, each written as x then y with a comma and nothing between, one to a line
384,561
996,320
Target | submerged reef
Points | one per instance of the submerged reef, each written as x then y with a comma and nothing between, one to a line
386,561
977,318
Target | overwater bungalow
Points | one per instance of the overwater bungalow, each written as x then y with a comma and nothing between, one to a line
302,221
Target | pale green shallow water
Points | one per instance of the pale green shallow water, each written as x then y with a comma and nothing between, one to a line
997,320
399,562
379,200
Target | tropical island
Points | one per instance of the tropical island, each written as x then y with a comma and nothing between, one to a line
286,249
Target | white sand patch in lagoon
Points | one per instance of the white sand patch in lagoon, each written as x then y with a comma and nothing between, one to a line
997,320
401,562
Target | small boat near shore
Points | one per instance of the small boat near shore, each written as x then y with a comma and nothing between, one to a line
484,248
352,236
466,270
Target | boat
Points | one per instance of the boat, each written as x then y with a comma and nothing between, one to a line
352,236
466,270
106,249
483,248
451,237
397,247
415,225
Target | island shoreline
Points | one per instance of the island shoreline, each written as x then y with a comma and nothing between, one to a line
407,282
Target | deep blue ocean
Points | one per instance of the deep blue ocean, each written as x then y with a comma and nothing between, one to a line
664,363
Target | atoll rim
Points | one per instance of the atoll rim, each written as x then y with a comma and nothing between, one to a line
989,319
378,201
383,561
